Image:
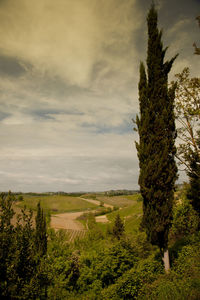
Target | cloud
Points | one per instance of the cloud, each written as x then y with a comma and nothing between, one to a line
68,89
68,162
67,38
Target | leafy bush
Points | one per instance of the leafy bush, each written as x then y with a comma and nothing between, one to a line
185,221
183,282
129,285
104,266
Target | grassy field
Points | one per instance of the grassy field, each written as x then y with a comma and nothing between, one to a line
130,207
56,203
131,213
119,201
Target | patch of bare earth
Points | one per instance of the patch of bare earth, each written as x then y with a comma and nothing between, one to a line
97,202
101,219
66,221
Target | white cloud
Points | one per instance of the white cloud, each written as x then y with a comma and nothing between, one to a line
65,38
65,119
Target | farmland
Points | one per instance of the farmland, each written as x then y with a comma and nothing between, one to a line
90,251
117,201
56,203
66,209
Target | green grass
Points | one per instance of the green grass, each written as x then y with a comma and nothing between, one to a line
56,203
131,215
119,201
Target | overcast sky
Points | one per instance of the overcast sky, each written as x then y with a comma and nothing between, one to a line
68,88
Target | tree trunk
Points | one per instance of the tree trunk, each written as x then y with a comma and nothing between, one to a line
165,259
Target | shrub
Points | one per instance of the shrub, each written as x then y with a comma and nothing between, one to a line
185,220
130,284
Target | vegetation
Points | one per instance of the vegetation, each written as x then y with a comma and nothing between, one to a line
40,232
118,228
56,203
22,266
119,259
188,117
97,263
156,149
118,201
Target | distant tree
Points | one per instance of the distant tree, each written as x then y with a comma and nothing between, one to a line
20,198
118,228
41,231
101,204
157,133
188,120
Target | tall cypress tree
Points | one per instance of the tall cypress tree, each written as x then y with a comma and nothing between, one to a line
156,149
41,232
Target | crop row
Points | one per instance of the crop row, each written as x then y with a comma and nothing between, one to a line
74,234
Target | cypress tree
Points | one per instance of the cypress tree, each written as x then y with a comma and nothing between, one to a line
41,232
157,133
118,228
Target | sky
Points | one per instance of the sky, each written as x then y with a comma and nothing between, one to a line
69,72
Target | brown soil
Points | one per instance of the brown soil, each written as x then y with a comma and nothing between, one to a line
66,221
101,219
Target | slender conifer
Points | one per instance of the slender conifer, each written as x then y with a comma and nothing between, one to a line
118,228
156,149
41,232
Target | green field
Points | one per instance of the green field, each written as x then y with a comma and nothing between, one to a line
56,203
131,213
119,201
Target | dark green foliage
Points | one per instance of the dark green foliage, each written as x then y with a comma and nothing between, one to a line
23,264
103,267
20,198
74,272
130,284
22,274
183,281
96,267
6,241
185,221
118,228
41,232
194,177
156,149
58,261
